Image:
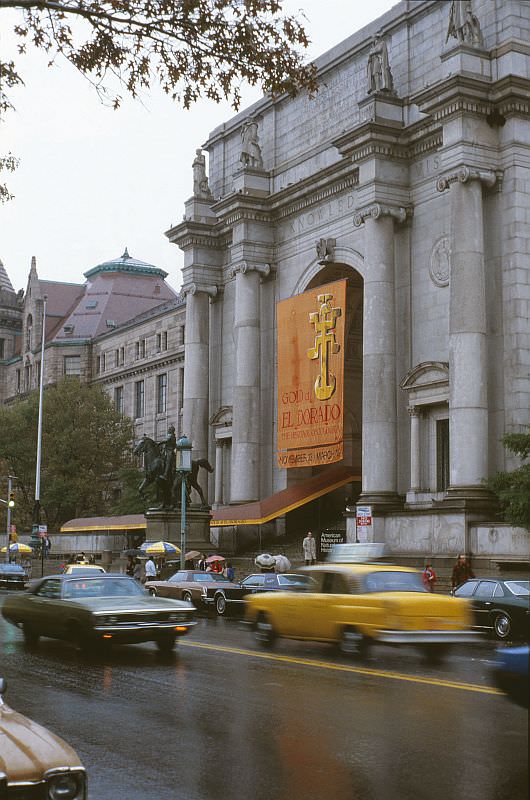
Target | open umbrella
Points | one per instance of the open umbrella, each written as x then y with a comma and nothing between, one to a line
213,559
160,549
132,551
18,547
265,561
282,564
192,554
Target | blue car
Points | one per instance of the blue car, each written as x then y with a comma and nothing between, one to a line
511,672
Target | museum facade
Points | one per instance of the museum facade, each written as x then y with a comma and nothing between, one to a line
407,176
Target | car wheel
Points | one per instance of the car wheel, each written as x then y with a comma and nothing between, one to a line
166,644
31,637
502,626
220,604
152,592
264,632
186,596
352,643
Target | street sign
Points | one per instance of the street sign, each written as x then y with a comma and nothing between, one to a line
364,515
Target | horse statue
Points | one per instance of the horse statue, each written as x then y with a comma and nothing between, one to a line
155,470
191,482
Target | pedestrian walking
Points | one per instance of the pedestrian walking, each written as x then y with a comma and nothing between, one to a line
201,564
150,569
429,578
47,546
229,571
129,569
462,571
309,546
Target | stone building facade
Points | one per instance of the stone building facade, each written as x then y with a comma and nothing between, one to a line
408,174
123,329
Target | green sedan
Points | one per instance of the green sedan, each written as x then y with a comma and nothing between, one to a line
92,610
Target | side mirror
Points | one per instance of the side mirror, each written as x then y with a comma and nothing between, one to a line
3,686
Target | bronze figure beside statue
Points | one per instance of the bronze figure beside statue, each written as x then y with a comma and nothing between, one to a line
159,468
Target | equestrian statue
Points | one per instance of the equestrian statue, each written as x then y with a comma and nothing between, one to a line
160,469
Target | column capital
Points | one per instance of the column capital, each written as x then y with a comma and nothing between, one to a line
415,411
245,267
464,174
378,210
195,288
220,443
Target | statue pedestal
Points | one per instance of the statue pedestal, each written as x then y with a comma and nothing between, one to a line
164,525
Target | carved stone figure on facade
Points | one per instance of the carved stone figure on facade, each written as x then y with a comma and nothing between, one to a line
378,70
250,149
463,24
201,187
325,250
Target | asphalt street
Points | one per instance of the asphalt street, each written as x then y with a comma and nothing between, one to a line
223,719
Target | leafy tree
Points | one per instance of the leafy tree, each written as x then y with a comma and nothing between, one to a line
191,48
85,443
513,488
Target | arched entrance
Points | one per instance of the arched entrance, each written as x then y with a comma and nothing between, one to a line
328,510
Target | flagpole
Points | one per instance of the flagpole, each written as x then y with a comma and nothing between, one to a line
36,508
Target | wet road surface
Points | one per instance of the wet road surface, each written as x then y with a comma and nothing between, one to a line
223,719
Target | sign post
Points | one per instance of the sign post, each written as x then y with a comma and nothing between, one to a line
363,523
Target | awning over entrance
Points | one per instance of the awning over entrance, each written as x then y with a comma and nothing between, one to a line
127,522
287,500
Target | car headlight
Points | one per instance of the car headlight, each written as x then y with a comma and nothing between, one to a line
107,619
66,786
177,617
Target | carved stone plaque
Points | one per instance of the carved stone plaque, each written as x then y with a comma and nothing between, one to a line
440,262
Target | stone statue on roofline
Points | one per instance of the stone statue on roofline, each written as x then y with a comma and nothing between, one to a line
250,149
378,73
201,188
463,24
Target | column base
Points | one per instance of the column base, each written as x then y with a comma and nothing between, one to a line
468,498
381,502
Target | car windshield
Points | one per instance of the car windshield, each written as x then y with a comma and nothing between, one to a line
205,577
393,582
520,588
102,587
300,581
11,568
84,569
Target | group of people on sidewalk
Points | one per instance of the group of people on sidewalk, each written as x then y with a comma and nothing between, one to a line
461,573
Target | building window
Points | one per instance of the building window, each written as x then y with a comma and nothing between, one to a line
29,330
442,455
161,393
164,340
142,348
103,362
27,377
18,381
139,397
117,357
72,365
37,364
137,350
118,399
2,348
122,356
182,332
181,389
158,342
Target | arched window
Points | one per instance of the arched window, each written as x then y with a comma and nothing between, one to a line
29,331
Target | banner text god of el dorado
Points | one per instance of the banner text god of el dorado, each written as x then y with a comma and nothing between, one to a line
311,376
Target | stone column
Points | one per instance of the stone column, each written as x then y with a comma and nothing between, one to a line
246,399
379,445
415,462
468,404
196,367
218,472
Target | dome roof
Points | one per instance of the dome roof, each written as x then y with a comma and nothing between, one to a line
126,264
5,283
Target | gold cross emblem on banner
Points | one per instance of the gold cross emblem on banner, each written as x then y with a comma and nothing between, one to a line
325,344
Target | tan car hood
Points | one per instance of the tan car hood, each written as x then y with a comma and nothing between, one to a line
27,749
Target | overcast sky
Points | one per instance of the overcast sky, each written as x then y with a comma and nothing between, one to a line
92,180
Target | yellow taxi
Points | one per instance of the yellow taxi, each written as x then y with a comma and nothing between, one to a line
358,604
35,762
82,567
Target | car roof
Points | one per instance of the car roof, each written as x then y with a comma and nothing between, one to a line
358,568
92,575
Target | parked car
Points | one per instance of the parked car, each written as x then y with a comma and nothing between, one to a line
13,576
501,605
89,610
82,568
190,585
511,673
354,605
34,762
223,598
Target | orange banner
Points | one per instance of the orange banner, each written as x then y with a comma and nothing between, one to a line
311,376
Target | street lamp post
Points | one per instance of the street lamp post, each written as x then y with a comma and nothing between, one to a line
183,467
9,503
